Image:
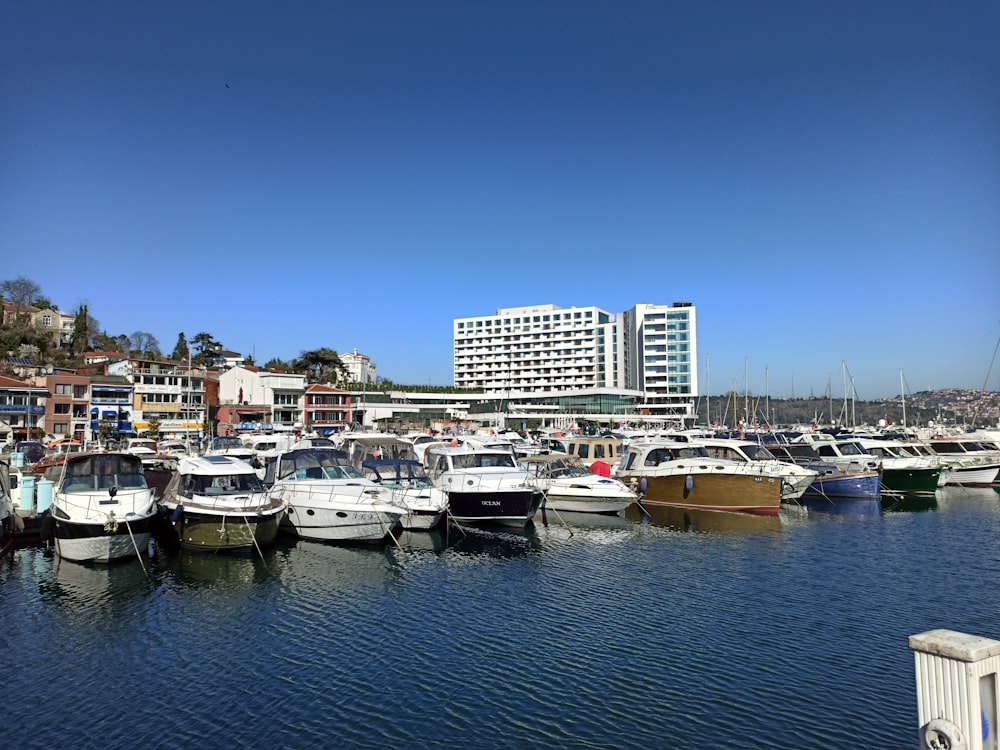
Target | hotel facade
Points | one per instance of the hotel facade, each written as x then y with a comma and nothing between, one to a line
582,361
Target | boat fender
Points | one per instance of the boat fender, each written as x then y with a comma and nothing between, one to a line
642,485
178,514
688,482
46,528
941,734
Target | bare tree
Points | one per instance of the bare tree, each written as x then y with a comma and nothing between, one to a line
144,343
20,293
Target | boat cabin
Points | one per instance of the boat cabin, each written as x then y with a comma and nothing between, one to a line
587,449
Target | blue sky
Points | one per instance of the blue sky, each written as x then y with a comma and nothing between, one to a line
822,180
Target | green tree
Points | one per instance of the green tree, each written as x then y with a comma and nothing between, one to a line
277,365
204,344
181,350
81,331
320,365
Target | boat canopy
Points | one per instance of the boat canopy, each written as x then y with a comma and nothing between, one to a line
391,471
311,463
102,471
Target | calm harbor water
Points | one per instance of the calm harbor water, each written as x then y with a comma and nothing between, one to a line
688,630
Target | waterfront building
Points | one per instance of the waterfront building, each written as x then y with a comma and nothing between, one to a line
326,408
661,353
256,400
21,407
110,406
67,407
585,362
166,394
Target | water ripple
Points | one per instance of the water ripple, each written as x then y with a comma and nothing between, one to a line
670,631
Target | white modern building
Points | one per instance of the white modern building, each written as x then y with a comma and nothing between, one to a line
260,400
661,354
165,393
582,360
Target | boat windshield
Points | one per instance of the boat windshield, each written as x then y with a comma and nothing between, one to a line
570,470
104,471
398,473
758,453
662,455
483,460
851,449
223,443
221,484
321,463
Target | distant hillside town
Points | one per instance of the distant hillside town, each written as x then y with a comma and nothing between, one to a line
63,377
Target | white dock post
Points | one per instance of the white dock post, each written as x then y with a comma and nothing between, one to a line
957,690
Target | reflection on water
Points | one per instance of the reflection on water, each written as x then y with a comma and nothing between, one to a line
234,567
908,503
308,566
701,521
963,498
853,507
572,632
495,541
570,519
88,587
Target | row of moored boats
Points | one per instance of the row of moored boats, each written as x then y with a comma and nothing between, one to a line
99,506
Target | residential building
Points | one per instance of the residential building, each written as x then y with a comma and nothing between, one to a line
67,408
227,360
359,367
21,408
256,400
57,324
327,409
660,349
166,394
110,407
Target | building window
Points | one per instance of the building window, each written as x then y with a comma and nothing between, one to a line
62,389
60,409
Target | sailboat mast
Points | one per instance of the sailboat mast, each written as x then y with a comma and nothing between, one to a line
902,396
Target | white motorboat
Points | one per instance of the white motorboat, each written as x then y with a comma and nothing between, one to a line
965,463
328,499
102,507
228,445
425,504
483,484
571,486
219,503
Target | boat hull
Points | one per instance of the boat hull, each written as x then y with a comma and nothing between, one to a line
510,507
575,504
742,493
339,525
420,520
969,476
863,486
102,543
910,481
215,532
